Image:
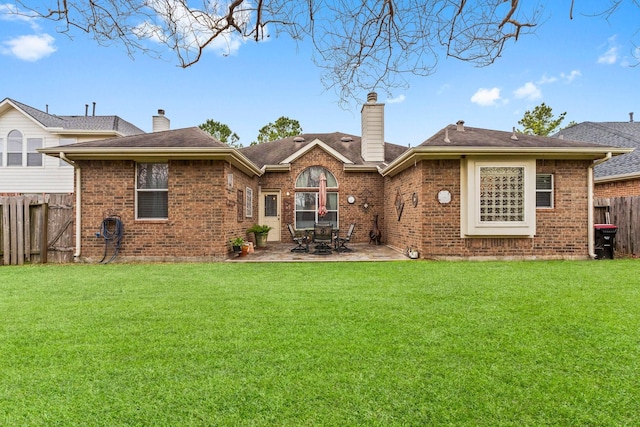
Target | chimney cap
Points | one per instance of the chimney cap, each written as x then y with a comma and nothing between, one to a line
372,97
298,139
161,112
346,139
460,125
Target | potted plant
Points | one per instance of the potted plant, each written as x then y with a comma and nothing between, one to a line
261,232
237,244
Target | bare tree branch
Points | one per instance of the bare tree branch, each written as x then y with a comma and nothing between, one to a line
361,46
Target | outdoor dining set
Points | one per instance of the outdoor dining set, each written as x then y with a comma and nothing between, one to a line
324,238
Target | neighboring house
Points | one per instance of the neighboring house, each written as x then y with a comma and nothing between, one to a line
24,130
619,176
463,193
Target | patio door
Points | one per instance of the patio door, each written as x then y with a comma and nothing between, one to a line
269,206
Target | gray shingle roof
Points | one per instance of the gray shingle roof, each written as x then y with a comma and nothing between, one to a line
192,137
91,123
274,152
617,134
478,137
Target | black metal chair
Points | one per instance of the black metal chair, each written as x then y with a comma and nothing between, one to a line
301,240
342,241
323,236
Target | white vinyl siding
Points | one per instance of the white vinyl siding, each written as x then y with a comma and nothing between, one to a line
65,141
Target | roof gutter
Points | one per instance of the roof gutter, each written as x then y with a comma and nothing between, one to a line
78,191
590,224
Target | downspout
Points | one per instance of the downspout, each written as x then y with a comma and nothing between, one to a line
590,232
78,203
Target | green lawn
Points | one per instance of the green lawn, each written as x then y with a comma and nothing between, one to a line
337,344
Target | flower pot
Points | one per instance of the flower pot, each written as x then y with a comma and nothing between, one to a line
245,250
261,240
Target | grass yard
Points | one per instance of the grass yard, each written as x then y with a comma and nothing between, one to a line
321,344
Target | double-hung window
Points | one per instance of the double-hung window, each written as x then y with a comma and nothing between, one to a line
33,157
14,148
544,190
499,198
152,191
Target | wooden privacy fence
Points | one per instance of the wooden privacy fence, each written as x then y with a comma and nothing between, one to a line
36,229
624,212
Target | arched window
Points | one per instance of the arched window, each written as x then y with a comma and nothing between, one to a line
310,178
14,148
306,206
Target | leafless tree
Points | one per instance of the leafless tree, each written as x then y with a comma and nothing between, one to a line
361,45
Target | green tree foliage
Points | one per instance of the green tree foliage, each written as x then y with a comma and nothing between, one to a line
540,121
222,132
282,128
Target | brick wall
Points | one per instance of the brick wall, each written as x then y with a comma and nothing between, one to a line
203,211
365,186
627,188
434,228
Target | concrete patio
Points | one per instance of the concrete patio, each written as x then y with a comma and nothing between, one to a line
281,252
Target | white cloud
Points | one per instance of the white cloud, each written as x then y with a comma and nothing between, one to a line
546,80
486,97
611,56
9,12
528,91
571,76
30,48
397,100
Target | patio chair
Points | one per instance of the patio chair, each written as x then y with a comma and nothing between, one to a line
322,236
342,241
301,239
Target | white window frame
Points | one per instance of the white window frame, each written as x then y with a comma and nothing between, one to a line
248,204
2,156
546,190
471,224
34,158
14,152
153,190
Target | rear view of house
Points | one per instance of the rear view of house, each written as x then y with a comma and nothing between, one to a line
464,193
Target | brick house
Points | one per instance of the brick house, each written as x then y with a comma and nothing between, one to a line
463,193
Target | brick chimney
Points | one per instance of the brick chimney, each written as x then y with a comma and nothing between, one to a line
160,122
372,144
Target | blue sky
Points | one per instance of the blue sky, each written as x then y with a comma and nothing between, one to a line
582,66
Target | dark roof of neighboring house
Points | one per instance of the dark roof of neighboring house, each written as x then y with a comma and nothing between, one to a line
617,134
192,137
89,123
275,152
